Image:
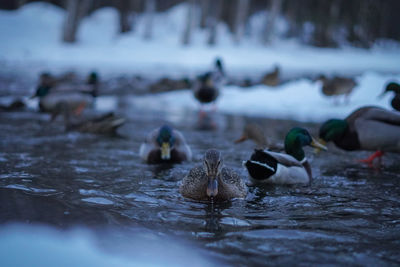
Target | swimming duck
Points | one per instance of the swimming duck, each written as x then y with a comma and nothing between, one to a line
367,128
212,181
278,168
207,87
272,78
337,86
106,124
165,145
393,87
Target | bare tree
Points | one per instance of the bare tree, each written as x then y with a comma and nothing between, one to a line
125,15
274,11
213,21
205,7
149,10
190,19
240,19
76,10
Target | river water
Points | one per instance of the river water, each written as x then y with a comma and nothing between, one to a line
349,215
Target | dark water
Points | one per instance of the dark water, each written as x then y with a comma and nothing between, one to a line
350,215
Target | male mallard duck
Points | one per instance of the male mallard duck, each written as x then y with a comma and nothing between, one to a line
77,97
279,168
393,87
337,86
165,145
367,128
272,78
212,180
207,87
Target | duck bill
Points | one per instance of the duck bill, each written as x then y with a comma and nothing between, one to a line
165,151
318,145
241,139
212,187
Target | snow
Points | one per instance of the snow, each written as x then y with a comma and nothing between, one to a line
33,35
39,245
300,100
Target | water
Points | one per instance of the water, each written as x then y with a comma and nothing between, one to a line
349,215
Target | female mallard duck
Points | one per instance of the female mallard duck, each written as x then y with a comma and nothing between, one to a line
367,128
207,87
253,132
212,180
165,145
279,168
106,124
337,86
395,88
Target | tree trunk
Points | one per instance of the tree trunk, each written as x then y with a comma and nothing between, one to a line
240,19
76,10
149,10
205,8
125,15
274,11
213,22
189,22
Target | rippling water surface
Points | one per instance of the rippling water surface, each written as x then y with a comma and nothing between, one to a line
349,215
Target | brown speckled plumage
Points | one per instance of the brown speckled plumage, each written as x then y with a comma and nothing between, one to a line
230,185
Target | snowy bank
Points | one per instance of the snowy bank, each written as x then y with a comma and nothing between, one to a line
32,34
298,100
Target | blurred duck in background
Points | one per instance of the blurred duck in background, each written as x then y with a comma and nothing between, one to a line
165,145
106,124
206,91
272,78
53,95
265,166
337,86
207,87
367,128
395,88
252,131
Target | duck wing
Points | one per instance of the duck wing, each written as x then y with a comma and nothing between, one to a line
377,128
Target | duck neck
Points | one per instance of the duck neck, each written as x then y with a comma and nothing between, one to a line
307,167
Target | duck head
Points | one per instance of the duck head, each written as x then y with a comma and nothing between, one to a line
391,87
253,132
296,139
166,141
212,165
93,78
331,130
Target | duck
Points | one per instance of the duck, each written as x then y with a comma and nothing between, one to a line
165,145
206,89
106,124
15,105
367,128
252,131
272,78
292,167
52,95
212,180
337,86
395,88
